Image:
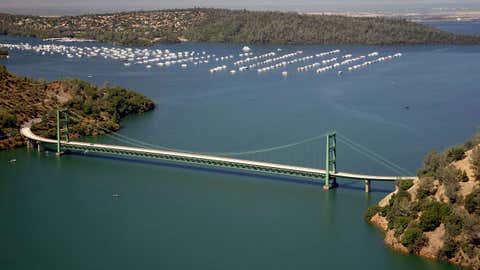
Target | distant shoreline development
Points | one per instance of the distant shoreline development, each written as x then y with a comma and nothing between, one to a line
144,28
448,16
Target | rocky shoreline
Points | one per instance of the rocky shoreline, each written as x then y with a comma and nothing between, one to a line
423,218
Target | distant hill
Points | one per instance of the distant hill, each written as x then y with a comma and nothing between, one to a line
233,26
438,215
23,99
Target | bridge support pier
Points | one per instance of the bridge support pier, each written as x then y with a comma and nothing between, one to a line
368,186
30,144
40,147
331,185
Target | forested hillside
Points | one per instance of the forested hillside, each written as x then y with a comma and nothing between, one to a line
437,215
23,99
234,26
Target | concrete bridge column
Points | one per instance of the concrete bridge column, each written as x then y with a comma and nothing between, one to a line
40,147
332,183
367,186
30,144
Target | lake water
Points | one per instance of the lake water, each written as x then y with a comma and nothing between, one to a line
58,213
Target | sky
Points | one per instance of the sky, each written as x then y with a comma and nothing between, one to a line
60,7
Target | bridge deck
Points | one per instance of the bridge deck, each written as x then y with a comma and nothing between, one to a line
206,159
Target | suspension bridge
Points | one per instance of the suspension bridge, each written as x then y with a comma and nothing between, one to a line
140,149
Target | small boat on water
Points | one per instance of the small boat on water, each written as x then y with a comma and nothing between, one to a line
116,195
12,161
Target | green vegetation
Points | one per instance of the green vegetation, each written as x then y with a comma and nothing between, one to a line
426,188
413,239
455,153
444,195
472,202
475,162
293,28
233,26
101,108
432,163
371,211
405,184
432,215
449,248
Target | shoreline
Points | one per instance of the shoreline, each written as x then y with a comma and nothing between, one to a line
419,17
416,229
67,39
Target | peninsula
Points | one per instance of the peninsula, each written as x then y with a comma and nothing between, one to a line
230,26
25,100
437,215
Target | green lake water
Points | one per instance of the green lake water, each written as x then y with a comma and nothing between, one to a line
59,213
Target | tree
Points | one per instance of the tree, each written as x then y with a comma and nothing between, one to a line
413,239
404,184
426,188
455,153
432,215
472,202
432,163
475,162
371,211
449,248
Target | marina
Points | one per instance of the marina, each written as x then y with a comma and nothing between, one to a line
234,62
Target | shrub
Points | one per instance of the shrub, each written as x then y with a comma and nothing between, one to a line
429,220
7,120
464,176
449,174
472,202
453,224
413,239
425,188
432,216
473,142
371,211
449,248
451,191
403,194
432,163
455,153
404,184
475,162
467,248
400,224
399,206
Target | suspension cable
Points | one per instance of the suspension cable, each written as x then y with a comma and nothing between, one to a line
348,142
374,158
375,154
269,149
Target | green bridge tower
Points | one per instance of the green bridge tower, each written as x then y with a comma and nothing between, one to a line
60,121
330,161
